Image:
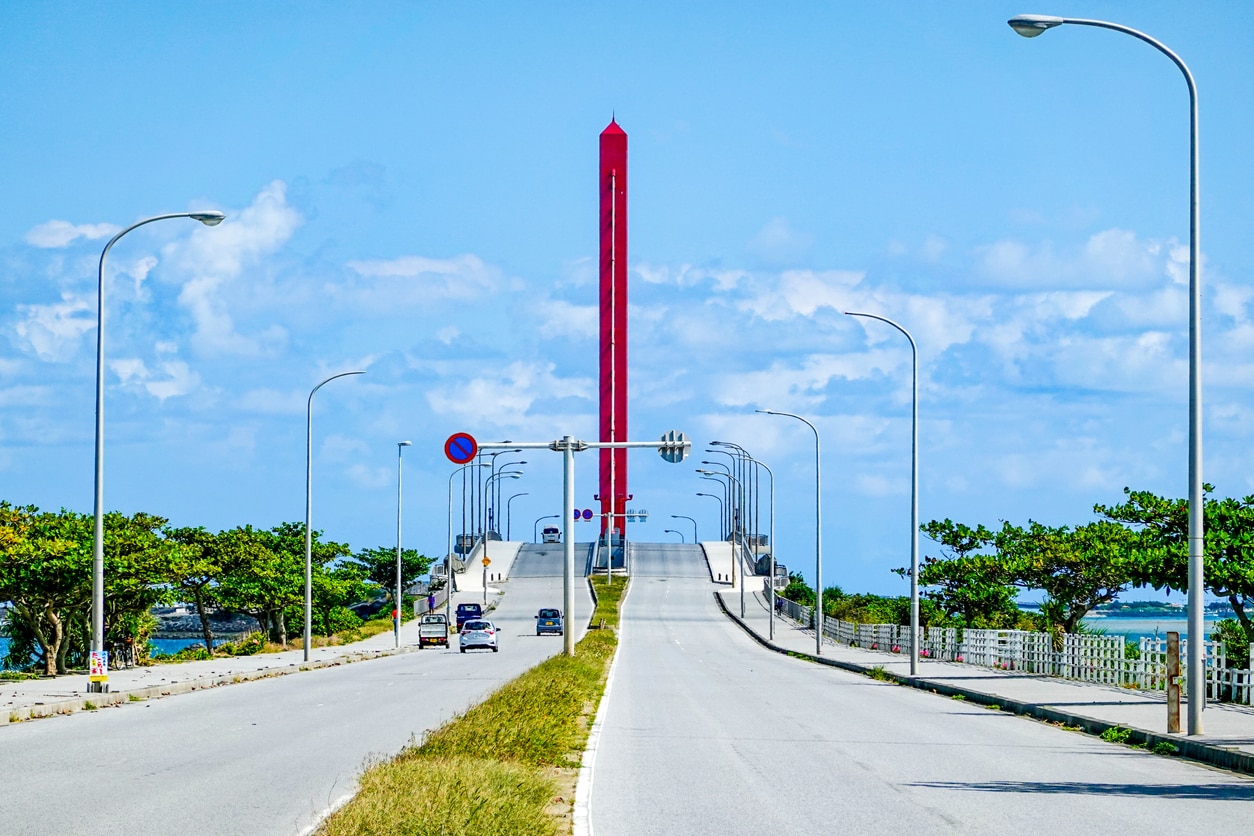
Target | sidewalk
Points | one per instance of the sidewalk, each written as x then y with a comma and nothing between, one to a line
1228,742
33,698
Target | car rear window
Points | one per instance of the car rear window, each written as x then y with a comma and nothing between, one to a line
478,625
549,613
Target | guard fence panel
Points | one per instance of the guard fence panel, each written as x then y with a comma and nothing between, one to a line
1087,658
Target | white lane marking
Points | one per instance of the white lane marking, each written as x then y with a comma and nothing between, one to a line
582,821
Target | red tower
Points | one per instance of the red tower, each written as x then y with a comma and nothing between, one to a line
613,189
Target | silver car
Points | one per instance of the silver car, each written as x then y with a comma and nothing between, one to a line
479,632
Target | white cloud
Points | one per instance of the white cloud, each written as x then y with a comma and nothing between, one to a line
215,257
503,397
801,293
777,242
172,379
559,318
53,332
57,234
1113,258
415,280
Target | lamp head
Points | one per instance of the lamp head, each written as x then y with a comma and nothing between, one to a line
404,444
1029,26
208,218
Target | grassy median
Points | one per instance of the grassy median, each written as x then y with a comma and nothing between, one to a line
508,765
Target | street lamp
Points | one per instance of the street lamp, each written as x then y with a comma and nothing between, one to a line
673,531
914,489
400,445
535,529
720,505
1030,26
732,481
771,601
508,516
725,510
448,558
309,508
491,472
818,531
496,500
97,545
733,497
691,520
750,482
487,489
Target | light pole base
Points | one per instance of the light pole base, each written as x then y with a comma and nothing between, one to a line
97,687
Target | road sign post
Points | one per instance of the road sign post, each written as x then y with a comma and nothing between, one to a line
673,445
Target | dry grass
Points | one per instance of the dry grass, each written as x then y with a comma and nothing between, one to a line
507,766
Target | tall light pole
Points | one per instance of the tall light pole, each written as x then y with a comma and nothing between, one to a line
1029,26
492,472
771,600
535,529
818,531
673,531
97,560
487,490
400,445
691,520
496,499
720,505
738,516
448,559
726,508
508,515
734,487
914,488
309,508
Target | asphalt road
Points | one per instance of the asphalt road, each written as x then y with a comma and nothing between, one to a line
258,758
707,732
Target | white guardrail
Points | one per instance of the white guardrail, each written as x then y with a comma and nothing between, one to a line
1087,658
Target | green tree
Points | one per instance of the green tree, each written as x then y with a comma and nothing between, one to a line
1078,569
1162,526
963,583
380,567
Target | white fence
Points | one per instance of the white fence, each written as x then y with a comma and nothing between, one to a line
1088,658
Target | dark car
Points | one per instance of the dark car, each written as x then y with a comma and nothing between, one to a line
465,612
549,621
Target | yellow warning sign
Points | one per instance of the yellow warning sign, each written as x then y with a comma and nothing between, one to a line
487,561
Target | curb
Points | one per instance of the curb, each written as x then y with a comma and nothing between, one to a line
168,689
1233,760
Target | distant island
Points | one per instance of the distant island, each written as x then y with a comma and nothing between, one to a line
1148,609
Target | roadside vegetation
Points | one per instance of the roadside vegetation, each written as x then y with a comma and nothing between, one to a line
45,572
975,576
508,765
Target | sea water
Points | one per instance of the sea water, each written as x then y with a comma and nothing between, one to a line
1133,629
164,646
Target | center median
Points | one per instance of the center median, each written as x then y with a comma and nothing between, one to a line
508,765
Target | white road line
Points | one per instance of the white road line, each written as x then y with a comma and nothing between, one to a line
582,821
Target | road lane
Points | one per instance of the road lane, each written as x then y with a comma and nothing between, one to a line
257,758
707,732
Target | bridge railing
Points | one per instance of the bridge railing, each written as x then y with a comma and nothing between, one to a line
1082,657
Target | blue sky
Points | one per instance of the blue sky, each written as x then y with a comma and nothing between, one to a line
411,189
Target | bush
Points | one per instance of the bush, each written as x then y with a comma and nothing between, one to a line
191,653
1117,734
1236,642
249,645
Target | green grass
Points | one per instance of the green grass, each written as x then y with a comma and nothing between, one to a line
508,765
17,675
1165,748
878,673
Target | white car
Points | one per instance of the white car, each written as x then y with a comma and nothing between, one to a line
479,633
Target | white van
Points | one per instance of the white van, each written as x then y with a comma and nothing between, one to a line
551,534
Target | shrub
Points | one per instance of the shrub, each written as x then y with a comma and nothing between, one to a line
1116,734
1164,748
1236,643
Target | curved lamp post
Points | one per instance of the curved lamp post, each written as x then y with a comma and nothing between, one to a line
487,491
309,509
720,505
818,531
914,489
673,531
400,445
97,538
448,558
691,520
508,516
1029,26
734,488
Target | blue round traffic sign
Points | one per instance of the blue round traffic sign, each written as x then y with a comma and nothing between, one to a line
461,448
587,513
